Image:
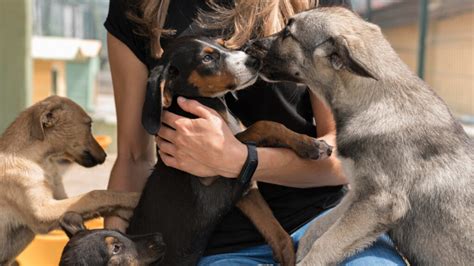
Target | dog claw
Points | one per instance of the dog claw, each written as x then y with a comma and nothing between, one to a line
315,150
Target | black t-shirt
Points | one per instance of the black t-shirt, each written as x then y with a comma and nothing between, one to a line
285,103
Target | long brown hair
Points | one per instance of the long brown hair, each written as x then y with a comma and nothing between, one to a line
244,20
251,18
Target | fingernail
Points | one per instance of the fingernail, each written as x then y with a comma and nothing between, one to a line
181,99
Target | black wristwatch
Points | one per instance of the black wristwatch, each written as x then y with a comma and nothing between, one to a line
250,165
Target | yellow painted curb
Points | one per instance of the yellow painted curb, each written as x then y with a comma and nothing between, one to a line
45,250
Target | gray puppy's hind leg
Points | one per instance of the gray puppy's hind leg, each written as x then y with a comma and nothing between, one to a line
359,226
321,225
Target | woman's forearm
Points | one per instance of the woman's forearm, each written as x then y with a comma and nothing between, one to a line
284,167
206,147
130,175
135,147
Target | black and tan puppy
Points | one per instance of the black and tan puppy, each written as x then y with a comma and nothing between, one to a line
107,247
184,208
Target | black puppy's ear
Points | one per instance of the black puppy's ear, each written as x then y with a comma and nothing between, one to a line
151,113
351,53
72,223
158,95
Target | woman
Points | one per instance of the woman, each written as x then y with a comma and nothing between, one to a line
297,190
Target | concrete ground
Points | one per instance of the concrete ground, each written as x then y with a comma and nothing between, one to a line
78,179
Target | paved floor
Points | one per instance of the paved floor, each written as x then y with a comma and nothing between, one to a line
78,179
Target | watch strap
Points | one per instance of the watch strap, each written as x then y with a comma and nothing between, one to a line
250,165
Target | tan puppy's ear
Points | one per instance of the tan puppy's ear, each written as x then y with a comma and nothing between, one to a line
43,117
351,53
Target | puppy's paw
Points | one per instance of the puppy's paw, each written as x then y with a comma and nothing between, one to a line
285,253
305,244
124,214
314,149
307,262
311,260
131,199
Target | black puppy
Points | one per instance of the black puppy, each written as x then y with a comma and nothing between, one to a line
184,208
107,247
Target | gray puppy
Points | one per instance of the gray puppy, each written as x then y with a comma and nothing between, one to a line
409,163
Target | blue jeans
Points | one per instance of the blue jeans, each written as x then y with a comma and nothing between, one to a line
382,252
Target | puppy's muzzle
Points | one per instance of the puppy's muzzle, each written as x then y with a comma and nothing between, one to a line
257,48
89,160
151,247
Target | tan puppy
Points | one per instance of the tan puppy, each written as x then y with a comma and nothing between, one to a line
33,151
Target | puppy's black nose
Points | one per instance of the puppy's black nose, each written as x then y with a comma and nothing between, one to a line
253,62
155,243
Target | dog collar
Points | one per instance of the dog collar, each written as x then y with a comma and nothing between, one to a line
250,165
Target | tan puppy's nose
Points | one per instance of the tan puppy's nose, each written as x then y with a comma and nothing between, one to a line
93,155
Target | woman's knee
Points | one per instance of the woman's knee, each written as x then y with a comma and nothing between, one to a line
382,252
227,261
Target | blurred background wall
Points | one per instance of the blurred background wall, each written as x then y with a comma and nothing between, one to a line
448,46
15,59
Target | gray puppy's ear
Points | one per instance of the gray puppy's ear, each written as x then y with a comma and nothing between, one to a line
72,223
351,53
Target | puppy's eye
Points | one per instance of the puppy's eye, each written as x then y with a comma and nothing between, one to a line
117,248
207,58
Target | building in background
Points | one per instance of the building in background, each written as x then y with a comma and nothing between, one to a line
449,49
65,67
70,18
67,58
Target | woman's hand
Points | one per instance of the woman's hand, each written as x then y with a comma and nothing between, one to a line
204,146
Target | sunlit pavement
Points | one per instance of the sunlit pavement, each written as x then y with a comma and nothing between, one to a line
78,179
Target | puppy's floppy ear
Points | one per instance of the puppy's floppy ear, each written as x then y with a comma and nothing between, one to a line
351,53
44,116
72,223
158,95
